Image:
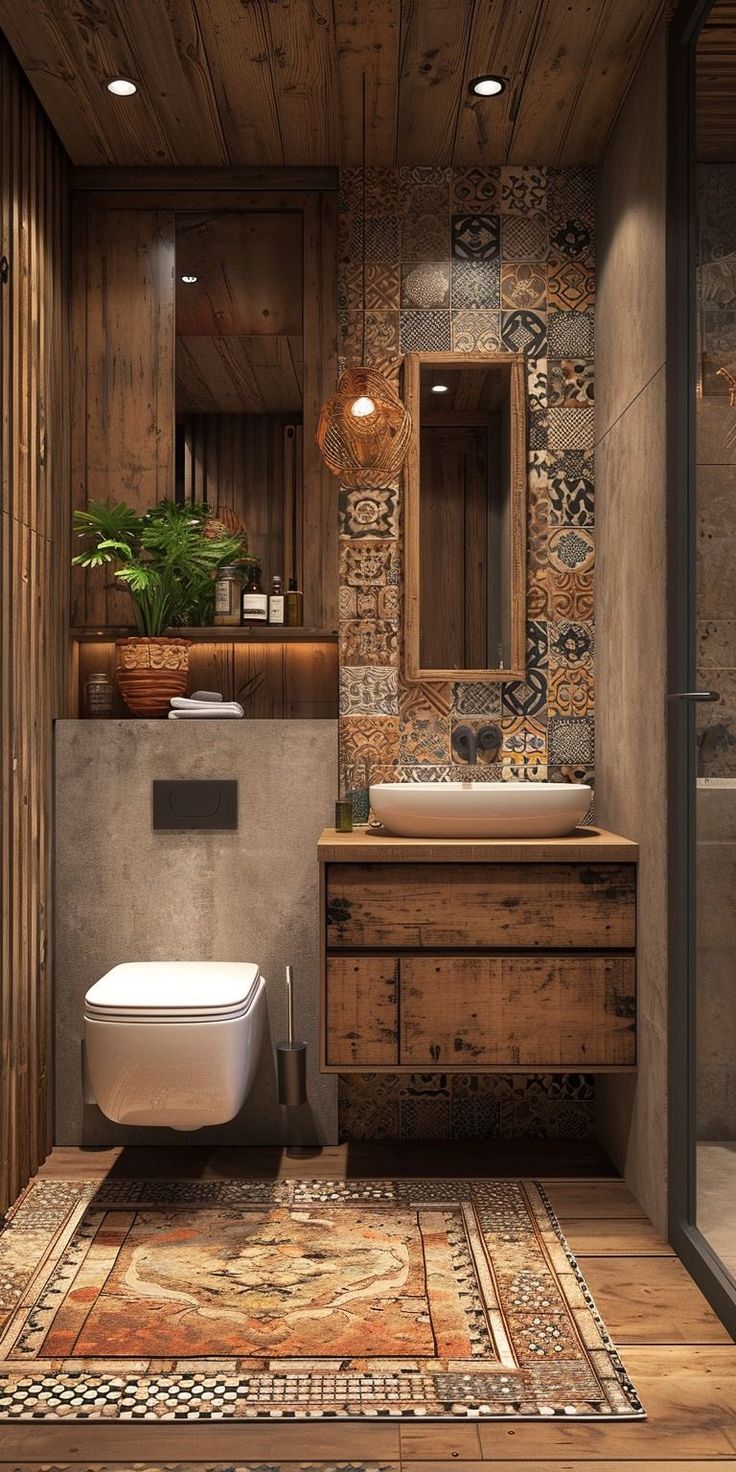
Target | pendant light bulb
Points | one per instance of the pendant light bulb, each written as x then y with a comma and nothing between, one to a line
362,407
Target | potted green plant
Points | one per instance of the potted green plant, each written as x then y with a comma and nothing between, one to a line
167,558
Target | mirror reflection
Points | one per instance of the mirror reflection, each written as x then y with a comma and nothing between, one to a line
465,524
239,376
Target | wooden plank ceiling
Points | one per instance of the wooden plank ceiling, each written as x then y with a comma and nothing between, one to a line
274,82
716,85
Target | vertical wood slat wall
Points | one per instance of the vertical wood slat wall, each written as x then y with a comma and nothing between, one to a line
34,551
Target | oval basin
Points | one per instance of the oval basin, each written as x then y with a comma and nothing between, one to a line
480,809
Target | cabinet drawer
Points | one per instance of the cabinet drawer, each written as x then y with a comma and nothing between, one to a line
451,906
541,1011
362,1011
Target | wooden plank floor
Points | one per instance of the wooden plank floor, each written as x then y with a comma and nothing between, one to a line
682,1361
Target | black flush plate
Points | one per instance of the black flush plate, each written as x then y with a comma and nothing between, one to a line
191,804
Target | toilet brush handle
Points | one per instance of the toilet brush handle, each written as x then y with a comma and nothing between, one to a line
289,1008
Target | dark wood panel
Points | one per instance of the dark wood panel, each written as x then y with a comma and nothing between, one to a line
534,906
123,382
34,551
272,681
574,1012
362,1011
267,84
239,375
715,63
249,273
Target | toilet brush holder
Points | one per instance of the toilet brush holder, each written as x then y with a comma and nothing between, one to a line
291,1057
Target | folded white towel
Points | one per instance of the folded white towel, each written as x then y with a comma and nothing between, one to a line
222,712
196,702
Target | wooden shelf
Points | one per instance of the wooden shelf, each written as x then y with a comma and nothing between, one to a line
371,845
219,635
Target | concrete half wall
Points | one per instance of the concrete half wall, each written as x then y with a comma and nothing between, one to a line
126,893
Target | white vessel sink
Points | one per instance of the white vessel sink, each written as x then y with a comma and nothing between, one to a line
480,809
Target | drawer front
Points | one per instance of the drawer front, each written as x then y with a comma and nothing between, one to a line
362,1011
451,906
541,1011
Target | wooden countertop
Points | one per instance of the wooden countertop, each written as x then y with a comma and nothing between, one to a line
367,844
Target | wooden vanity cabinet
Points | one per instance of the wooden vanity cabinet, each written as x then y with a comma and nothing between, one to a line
478,956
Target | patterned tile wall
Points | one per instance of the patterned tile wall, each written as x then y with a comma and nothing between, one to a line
473,260
716,467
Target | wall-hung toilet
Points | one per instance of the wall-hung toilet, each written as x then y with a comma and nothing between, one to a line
174,1042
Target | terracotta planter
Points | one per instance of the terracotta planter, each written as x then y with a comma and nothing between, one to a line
150,671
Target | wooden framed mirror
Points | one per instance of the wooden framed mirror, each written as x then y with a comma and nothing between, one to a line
465,517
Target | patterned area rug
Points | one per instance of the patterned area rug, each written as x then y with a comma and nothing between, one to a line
239,1300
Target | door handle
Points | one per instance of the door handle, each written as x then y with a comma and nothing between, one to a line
695,695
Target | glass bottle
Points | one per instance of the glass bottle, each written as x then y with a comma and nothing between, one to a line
254,606
98,694
276,611
294,606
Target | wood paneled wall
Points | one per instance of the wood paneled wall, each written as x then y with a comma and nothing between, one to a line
252,463
34,437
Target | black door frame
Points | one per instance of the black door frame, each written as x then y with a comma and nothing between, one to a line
700,1260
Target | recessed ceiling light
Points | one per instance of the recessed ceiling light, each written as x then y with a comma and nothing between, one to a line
439,388
122,87
487,86
189,280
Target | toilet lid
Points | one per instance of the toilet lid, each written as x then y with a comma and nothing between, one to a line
155,989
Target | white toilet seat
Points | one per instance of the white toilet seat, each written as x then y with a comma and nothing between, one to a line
152,991
174,1043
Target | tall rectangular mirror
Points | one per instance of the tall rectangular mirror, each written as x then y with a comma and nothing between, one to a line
240,374
465,508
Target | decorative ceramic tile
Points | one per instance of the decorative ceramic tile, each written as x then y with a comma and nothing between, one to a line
382,287
474,740
537,593
475,1117
571,238
424,739
350,287
368,513
432,698
570,690
536,644
379,190
570,285
423,200
425,284
476,187
524,332
525,697
369,690
371,739
537,535
524,735
476,698
369,603
524,767
571,740
572,428
368,1106
475,283
524,238
569,595
571,381
382,239
523,190
475,237
570,334
571,193
571,548
476,331
572,488
425,1118
524,284
425,332
431,772
411,174
425,237
369,641
369,562
537,419
571,644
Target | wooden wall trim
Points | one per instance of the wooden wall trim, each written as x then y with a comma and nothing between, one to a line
219,179
34,553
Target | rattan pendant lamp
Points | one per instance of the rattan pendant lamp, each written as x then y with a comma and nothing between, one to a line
364,429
